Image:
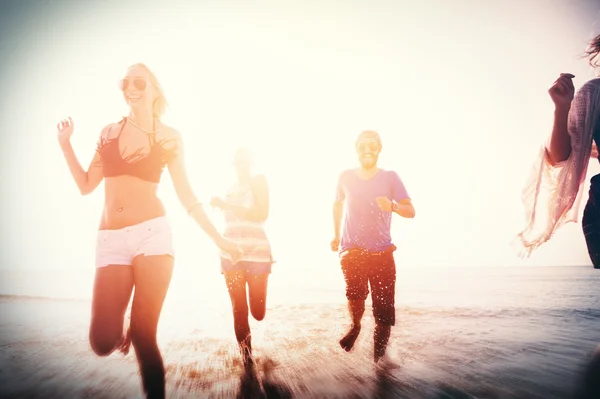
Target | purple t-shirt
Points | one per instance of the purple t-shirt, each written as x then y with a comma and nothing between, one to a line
366,226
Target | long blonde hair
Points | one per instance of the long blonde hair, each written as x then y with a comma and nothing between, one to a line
159,105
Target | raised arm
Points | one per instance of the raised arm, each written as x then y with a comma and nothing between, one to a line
86,181
561,92
188,199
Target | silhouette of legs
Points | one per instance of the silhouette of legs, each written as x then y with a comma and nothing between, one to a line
382,277
236,286
113,286
257,293
152,276
356,309
378,270
236,281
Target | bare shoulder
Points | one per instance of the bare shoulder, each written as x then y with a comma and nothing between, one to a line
110,131
170,138
169,132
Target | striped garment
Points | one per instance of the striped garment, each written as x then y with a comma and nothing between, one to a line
251,236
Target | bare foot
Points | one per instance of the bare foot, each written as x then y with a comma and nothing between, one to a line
381,359
347,343
385,362
379,355
247,356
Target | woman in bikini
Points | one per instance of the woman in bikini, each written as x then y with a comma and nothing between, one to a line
134,244
246,208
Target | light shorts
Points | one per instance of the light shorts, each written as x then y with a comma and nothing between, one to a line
119,247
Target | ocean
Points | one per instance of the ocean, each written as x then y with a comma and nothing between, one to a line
460,332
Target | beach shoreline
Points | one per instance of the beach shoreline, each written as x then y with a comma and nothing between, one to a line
485,353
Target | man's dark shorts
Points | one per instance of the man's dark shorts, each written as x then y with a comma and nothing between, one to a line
378,269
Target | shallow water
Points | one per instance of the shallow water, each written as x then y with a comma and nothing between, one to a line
513,333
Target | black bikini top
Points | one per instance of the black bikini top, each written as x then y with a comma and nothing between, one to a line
147,167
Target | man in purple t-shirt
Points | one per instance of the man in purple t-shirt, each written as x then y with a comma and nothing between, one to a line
371,195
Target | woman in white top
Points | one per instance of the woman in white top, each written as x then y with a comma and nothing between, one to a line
246,208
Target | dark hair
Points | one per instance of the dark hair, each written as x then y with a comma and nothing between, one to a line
593,52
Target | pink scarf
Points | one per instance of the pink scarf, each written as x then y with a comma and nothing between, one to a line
552,194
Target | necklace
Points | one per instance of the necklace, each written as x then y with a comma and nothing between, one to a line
141,128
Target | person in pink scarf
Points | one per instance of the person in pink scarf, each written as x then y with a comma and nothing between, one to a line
553,192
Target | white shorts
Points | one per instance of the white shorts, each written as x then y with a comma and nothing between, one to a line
119,247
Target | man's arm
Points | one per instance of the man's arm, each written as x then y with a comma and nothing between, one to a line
402,205
338,212
404,208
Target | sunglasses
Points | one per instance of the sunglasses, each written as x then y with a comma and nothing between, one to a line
370,146
138,83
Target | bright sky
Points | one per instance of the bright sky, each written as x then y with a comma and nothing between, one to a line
457,91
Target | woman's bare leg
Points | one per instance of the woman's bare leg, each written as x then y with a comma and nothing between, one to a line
152,276
236,286
113,285
257,293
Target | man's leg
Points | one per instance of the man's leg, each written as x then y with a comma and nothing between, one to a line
382,277
357,289
357,309
381,336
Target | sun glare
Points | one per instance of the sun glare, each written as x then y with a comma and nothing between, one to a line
449,122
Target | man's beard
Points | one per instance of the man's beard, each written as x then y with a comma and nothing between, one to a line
368,163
